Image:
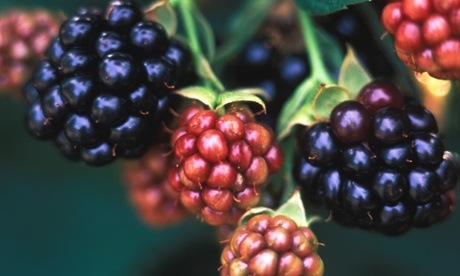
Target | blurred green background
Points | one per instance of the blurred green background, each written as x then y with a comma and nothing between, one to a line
63,218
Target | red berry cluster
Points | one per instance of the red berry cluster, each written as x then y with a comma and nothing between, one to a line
271,246
427,35
156,202
222,162
24,36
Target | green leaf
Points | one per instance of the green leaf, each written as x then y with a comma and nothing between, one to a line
302,116
253,91
205,72
353,75
238,96
294,209
303,94
331,51
163,12
325,6
205,34
200,93
244,24
327,98
255,212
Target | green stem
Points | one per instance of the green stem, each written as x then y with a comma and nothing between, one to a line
202,66
185,6
318,68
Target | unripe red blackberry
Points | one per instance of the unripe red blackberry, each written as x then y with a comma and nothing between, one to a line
106,83
24,36
271,246
149,188
427,37
390,175
223,162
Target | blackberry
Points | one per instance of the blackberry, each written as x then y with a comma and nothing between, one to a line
222,162
378,164
102,91
271,246
346,27
262,64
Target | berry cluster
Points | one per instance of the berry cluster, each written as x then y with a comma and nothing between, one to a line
346,26
157,204
222,162
103,90
24,38
378,163
261,65
427,35
271,246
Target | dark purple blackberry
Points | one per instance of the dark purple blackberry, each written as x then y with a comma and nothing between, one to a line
389,185
378,94
78,92
347,28
161,74
319,145
122,15
357,199
40,126
358,160
389,174
103,90
263,65
305,174
149,37
54,105
55,51
108,109
44,76
109,42
390,126
397,156
293,70
78,31
118,70
395,219
420,118
329,188
30,93
75,61
67,148
99,155
350,122
428,149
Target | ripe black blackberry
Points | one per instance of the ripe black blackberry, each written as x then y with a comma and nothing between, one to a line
263,65
378,164
103,90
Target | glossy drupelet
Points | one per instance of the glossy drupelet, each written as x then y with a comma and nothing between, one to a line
223,161
426,35
378,164
271,246
103,90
